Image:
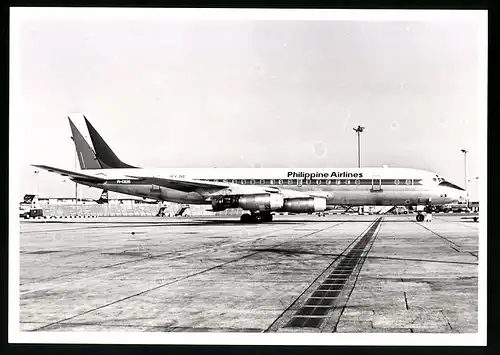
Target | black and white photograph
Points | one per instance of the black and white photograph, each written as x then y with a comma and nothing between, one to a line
247,176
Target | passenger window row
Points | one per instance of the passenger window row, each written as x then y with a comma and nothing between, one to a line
314,181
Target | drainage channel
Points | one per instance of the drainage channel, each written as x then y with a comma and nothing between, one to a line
325,298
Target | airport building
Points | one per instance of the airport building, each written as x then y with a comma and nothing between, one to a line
69,207
474,206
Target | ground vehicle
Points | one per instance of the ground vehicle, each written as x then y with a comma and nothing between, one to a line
30,207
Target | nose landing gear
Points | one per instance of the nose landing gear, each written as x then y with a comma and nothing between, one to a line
428,209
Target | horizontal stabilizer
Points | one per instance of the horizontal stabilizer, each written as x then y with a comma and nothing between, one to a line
71,174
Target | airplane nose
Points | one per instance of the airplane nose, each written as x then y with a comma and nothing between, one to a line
459,196
453,193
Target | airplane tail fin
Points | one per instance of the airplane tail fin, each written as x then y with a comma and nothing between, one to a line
104,197
106,157
86,155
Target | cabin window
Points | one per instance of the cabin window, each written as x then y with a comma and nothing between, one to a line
396,182
408,182
348,182
356,181
262,182
338,182
306,182
225,181
243,181
271,182
328,182
252,182
318,182
290,182
280,182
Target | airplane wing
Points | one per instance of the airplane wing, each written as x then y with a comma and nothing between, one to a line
185,185
71,174
213,189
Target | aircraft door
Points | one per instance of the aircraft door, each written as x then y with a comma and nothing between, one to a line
155,191
376,184
299,182
155,188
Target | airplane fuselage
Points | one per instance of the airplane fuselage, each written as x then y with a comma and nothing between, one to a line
358,186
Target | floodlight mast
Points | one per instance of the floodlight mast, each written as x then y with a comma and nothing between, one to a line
358,130
465,151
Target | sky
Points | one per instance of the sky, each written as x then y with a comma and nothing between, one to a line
181,92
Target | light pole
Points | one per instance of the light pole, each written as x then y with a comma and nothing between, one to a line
465,151
76,188
468,183
358,130
36,179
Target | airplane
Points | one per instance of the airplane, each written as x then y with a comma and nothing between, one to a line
262,191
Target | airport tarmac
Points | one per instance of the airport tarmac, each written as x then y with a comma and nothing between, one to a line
338,273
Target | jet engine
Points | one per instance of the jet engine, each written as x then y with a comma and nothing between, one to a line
304,204
256,202
261,202
223,202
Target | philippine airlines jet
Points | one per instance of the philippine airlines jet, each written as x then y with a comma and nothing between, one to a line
259,191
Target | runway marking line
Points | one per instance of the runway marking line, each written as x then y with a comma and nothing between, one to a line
180,279
137,260
454,245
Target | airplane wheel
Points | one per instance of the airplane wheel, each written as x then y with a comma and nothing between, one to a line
420,217
245,218
267,217
257,218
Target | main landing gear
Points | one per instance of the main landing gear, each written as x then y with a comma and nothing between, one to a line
161,212
256,217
